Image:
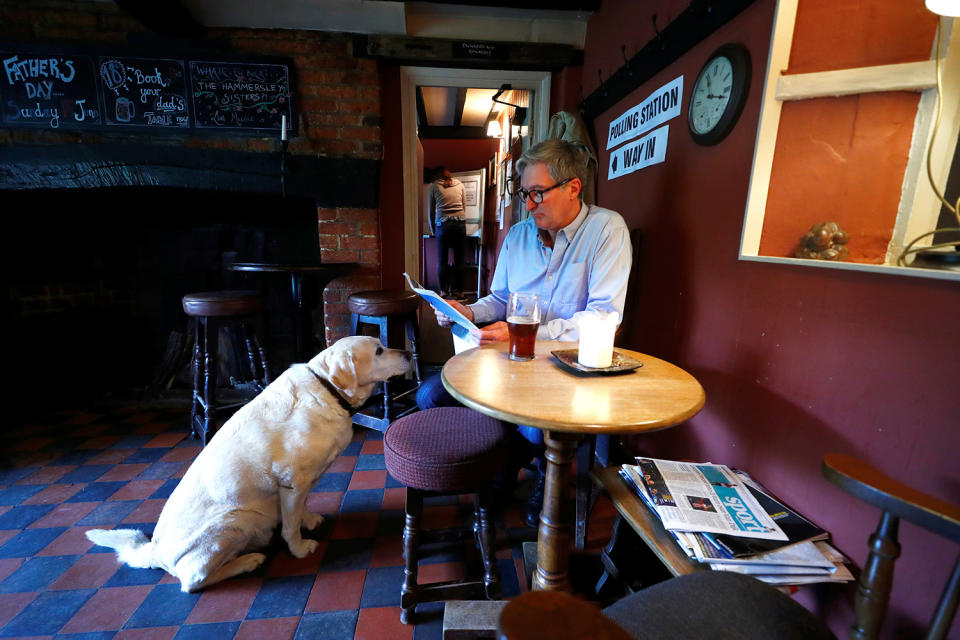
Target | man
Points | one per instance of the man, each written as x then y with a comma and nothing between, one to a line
575,256
447,210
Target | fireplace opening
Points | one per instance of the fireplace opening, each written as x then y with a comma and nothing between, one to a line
94,278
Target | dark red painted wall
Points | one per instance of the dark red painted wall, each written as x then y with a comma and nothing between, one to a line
796,362
459,155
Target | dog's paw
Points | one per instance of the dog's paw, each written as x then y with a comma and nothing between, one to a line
303,548
251,561
311,521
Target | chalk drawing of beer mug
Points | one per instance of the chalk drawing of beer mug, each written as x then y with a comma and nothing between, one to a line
125,110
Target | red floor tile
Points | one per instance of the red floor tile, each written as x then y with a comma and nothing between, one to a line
372,447
284,564
225,601
111,456
157,633
387,552
48,475
89,572
368,480
13,603
378,623
335,591
123,472
31,444
54,494
64,515
8,566
107,609
440,517
70,542
441,572
6,534
343,464
355,525
137,490
165,440
326,502
99,442
146,511
273,628
181,454
394,498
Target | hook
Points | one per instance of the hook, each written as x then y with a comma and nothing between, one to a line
626,63
602,85
656,31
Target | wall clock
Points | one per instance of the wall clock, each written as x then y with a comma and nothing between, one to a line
718,94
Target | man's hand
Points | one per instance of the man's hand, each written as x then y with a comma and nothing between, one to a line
444,320
496,332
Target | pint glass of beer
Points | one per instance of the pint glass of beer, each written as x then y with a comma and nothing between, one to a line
523,320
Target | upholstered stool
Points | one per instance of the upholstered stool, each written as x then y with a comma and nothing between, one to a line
389,311
449,450
210,311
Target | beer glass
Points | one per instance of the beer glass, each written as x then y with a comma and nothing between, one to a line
523,320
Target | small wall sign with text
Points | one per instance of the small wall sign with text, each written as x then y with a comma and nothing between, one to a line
48,90
144,92
659,107
240,95
649,150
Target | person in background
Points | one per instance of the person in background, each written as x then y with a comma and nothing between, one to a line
447,210
576,256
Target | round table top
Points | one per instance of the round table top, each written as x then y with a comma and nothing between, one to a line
290,267
542,394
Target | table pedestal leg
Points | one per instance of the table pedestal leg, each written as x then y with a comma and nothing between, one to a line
556,519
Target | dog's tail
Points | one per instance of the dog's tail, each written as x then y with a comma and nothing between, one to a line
132,546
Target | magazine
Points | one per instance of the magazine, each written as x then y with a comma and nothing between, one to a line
465,333
701,497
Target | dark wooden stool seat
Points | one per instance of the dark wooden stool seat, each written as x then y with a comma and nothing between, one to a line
210,311
389,311
448,450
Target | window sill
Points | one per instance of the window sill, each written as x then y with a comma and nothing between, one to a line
917,272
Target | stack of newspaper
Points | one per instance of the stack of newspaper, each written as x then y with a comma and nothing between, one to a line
723,518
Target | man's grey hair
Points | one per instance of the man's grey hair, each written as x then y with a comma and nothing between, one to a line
563,160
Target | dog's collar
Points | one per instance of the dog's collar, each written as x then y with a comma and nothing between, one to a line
333,390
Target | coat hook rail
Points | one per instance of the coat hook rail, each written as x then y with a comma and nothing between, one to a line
700,19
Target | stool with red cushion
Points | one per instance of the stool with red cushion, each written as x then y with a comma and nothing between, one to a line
443,451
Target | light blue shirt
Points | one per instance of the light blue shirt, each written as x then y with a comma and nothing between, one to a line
585,271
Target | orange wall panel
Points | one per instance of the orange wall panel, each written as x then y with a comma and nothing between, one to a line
839,159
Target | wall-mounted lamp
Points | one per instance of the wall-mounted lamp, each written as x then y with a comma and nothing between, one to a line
944,7
494,130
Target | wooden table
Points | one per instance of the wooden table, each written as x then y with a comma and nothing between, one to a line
323,272
568,406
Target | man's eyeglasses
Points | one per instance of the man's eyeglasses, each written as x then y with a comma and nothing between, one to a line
534,194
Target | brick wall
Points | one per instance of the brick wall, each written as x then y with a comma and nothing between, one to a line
337,99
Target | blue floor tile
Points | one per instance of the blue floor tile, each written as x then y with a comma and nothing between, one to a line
12,496
373,434
393,483
146,455
390,523
165,606
329,625
333,482
132,442
85,473
21,517
36,573
9,476
429,621
165,489
110,512
29,541
361,500
371,462
353,449
343,555
213,631
127,576
75,457
96,492
47,613
160,470
281,597
381,588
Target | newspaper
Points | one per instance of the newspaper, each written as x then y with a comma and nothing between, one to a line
466,335
701,497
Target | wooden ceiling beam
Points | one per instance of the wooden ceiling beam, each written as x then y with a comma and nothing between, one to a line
474,54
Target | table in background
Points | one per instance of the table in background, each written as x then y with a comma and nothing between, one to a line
567,406
323,273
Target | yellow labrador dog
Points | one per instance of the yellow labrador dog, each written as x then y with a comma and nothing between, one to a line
257,470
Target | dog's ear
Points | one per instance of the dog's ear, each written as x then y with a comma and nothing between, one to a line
341,369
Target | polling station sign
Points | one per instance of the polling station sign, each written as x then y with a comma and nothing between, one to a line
659,107
648,150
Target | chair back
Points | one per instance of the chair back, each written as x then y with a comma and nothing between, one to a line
896,501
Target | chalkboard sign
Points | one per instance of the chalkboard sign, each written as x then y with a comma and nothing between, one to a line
231,95
53,91
144,92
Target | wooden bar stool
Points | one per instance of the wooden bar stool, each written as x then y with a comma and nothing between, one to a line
389,311
210,311
444,451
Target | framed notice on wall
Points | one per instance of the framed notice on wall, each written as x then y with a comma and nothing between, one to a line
48,90
144,92
230,95
473,185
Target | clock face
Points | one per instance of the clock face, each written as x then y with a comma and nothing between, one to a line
719,94
711,94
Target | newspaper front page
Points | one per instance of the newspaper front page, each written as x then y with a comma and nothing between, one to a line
701,497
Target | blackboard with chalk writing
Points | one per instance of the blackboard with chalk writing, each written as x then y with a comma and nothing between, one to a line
237,95
144,92
49,90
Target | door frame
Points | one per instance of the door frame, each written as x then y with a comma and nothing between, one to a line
410,79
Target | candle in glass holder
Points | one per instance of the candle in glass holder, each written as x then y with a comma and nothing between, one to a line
283,127
596,339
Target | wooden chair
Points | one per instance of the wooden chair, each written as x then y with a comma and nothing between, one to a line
718,605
